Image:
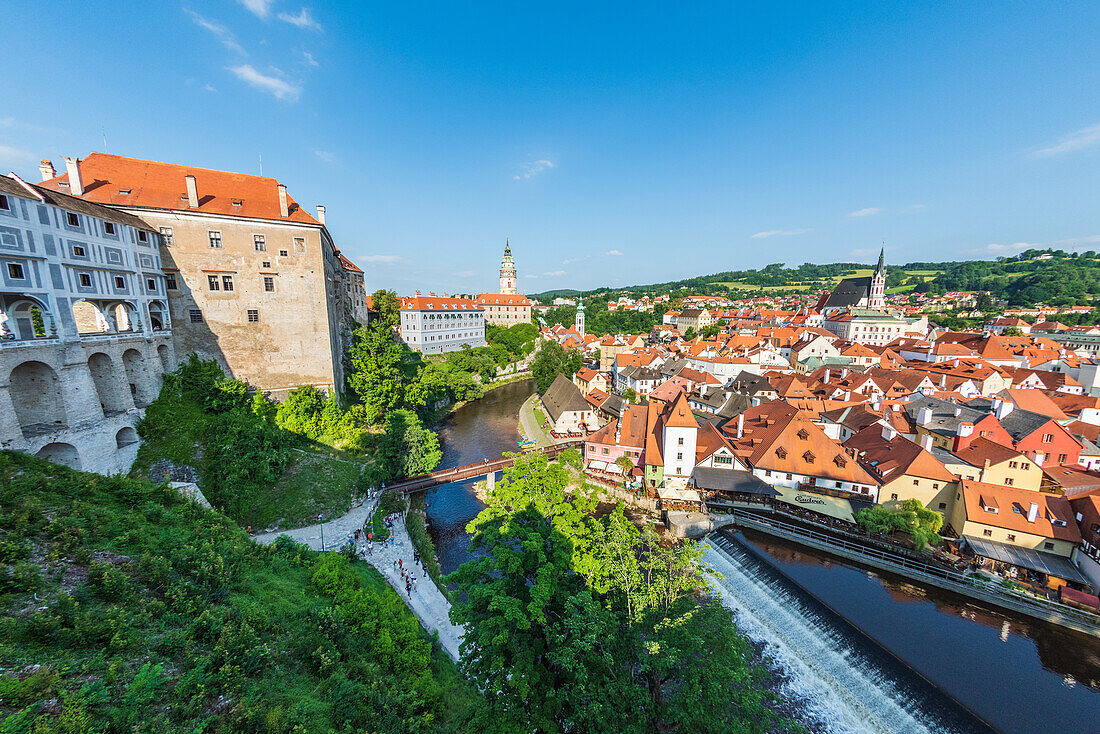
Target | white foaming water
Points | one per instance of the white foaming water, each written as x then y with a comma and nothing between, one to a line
840,690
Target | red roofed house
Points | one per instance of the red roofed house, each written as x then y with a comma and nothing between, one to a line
253,279
434,325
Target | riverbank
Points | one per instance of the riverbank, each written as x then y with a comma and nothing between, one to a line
530,425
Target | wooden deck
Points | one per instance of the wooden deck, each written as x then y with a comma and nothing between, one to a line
459,473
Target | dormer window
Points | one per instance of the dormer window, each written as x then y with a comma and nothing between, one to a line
803,434
840,461
124,192
809,457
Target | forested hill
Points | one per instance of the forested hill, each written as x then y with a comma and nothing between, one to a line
1063,278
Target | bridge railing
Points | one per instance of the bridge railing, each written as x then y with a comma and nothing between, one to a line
458,473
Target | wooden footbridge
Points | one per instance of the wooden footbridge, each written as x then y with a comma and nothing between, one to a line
424,482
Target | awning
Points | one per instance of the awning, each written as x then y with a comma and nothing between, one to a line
732,480
678,495
598,465
1028,558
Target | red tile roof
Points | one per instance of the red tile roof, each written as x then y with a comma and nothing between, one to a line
121,181
434,303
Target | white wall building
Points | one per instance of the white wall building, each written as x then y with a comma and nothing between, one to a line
434,325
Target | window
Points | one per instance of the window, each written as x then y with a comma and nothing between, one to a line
767,472
166,233
269,284
1010,537
143,236
109,227
1025,466
299,245
1048,438
916,482
212,282
4,203
227,282
1048,545
72,220
1008,481
79,251
259,242
151,284
935,485
120,282
680,441
253,315
196,316
604,450
215,239
266,264
723,460
943,505
987,533
679,456
170,282
1062,458
283,253
15,271
1013,464
894,496
789,477
85,280
839,485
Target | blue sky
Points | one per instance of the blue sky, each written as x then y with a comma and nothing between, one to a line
613,143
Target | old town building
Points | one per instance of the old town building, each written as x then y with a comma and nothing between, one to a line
434,325
508,307
253,279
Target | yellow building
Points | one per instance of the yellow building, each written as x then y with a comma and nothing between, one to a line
985,461
1035,520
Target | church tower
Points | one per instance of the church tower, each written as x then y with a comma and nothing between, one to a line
878,284
580,317
507,271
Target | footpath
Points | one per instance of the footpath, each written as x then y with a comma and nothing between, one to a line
426,601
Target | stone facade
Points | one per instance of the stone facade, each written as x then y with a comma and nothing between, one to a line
86,335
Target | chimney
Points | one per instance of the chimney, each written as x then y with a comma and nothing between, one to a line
76,184
284,207
1003,408
958,410
825,379
844,373
321,213
192,192
1032,511
740,425
888,433
924,416
966,428
926,442
45,167
943,381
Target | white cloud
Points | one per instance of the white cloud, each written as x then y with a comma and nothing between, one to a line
325,156
779,233
219,31
866,212
379,259
7,121
304,19
533,169
259,8
554,273
861,253
529,275
1086,137
465,274
11,154
1014,248
209,88
310,61
276,85
613,253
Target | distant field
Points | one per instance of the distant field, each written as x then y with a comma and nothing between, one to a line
857,273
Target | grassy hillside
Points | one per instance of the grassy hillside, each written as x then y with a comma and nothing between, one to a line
124,608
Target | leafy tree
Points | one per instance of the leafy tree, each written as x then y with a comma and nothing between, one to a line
911,517
552,360
407,447
690,333
377,370
245,456
388,306
630,394
1013,331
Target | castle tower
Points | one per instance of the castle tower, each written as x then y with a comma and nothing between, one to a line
507,271
580,317
878,284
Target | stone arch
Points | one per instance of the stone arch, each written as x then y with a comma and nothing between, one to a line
158,316
105,375
125,437
61,453
36,396
137,375
89,318
29,318
165,358
125,316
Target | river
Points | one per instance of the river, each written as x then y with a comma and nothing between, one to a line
840,671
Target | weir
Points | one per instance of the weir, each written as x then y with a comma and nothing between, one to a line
846,681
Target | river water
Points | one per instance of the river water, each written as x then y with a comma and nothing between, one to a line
840,668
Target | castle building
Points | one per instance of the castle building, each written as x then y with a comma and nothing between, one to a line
507,272
253,279
508,307
868,292
434,325
85,333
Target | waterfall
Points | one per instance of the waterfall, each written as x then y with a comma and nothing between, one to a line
840,680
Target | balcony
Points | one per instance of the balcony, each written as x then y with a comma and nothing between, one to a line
833,492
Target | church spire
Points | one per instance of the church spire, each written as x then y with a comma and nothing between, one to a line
881,260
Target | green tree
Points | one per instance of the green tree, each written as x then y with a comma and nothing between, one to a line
552,360
377,370
690,333
407,447
388,306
